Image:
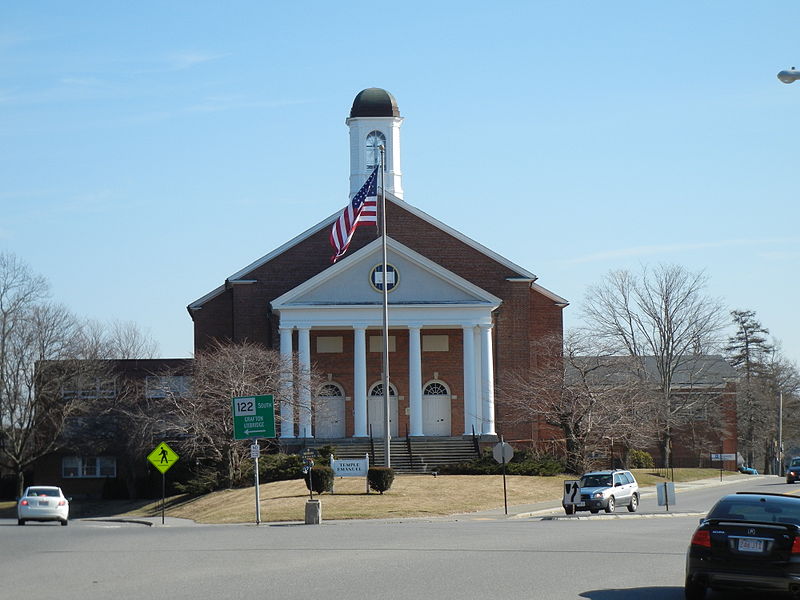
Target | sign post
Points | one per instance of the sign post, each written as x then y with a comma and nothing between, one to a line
665,492
162,458
721,458
503,453
253,418
255,452
572,495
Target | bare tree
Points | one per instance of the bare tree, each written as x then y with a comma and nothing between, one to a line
50,368
782,380
32,331
114,340
200,417
663,313
592,402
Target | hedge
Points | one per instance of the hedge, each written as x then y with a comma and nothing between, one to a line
380,478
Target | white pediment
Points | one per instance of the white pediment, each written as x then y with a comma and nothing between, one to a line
423,290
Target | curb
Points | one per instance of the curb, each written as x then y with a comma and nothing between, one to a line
646,492
668,515
121,520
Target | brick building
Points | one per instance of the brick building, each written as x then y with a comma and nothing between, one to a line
460,315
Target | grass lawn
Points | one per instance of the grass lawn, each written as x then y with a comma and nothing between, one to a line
410,496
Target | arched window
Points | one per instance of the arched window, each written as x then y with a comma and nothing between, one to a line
377,390
435,388
375,139
330,390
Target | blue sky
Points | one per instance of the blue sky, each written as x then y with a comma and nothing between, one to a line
149,150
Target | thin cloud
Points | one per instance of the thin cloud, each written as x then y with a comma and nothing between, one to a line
223,103
778,255
637,251
186,60
9,39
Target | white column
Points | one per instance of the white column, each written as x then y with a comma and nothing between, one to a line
470,404
287,408
478,381
415,379
304,370
487,387
360,381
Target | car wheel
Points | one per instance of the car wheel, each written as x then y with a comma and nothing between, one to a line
611,505
20,521
634,503
65,522
693,590
569,509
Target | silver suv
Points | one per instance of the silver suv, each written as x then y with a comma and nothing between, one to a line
606,490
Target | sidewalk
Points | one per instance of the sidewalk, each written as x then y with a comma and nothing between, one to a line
554,506
149,521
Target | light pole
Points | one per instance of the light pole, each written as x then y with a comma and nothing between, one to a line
780,434
789,76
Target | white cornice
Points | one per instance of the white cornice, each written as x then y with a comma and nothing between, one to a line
435,316
363,254
554,297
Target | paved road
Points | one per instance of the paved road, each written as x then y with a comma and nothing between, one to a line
475,556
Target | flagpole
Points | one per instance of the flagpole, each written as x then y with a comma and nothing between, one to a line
386,415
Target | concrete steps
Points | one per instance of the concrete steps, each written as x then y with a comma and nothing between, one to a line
425,455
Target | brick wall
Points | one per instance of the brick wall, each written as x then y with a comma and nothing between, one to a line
241,312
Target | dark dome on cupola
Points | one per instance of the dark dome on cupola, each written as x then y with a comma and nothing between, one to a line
374,102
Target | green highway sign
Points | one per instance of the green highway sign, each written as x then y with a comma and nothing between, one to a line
253,417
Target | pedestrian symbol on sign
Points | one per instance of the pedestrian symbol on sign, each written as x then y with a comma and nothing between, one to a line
163,457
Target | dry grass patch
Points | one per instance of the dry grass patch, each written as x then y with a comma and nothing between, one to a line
410,496
647,477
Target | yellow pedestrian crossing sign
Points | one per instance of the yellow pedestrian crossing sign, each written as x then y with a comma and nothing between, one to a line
163,457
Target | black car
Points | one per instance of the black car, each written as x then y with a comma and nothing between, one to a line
748,541
793,471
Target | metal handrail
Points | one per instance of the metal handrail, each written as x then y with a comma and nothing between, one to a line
372,460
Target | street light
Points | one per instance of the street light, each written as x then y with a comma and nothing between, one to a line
789,76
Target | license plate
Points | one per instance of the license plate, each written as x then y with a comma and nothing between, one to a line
746,545
43,502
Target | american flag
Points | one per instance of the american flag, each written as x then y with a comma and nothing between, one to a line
363,208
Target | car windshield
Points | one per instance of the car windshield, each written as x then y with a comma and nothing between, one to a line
770,511
43,492
596,481
795,462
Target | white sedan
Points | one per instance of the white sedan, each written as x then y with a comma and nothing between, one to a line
43,503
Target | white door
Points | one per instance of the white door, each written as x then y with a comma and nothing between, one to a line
436,410
329,418
329,412
375,414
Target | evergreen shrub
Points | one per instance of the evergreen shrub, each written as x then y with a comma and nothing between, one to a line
380,478
319,479
524,462
639,459
279,467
